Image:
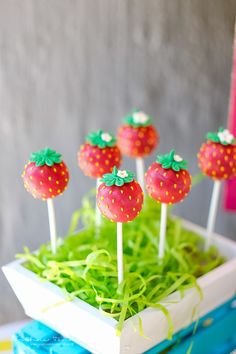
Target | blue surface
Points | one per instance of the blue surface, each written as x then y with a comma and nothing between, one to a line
36,338
216,334
219,337
66,346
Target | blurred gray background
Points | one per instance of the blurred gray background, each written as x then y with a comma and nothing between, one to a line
68,67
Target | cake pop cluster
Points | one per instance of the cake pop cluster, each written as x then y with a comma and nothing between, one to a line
120,196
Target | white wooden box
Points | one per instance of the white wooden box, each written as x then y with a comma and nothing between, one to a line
88,327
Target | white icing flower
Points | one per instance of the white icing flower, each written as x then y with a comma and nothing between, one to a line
140,117
122,174
178,158
226,137
106,137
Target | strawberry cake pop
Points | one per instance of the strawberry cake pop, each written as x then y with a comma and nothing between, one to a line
217,156
120,199
45,176
99,154
168,182
167,179
217,160
137,138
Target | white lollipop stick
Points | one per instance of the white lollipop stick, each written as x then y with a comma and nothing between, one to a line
212,213
140,172
162,239
120,253
98,215
52,225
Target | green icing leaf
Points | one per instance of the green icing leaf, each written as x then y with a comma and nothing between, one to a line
223,136
45,157
138,119
173,161
101,139
117,178
213,137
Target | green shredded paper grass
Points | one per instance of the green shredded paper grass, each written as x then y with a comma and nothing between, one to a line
85,264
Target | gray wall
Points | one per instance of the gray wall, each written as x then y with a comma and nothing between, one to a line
68,67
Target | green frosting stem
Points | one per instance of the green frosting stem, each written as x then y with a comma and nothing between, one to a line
223,136
117,177
101,139
46,156
137,119
173,161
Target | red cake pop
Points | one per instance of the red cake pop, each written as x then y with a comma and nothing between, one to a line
120,197
217,156
46,176
99,154
167,181
217,160
137,137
